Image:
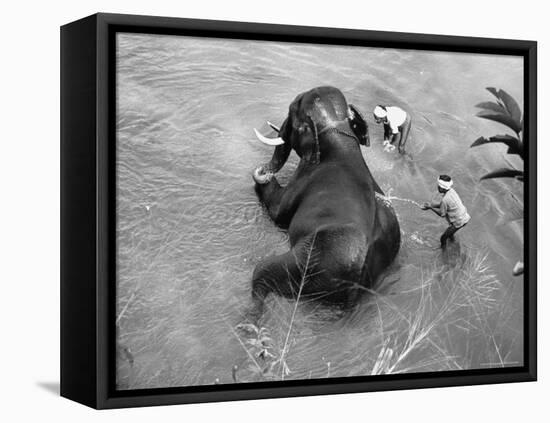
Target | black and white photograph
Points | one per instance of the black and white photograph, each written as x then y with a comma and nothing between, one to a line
300,211
275,211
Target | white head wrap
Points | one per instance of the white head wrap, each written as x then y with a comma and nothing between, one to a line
446,185
379,112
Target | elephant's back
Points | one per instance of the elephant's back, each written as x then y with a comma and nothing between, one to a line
337,195
335,253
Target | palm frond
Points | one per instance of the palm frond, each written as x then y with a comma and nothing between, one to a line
515,146
504,173
505,111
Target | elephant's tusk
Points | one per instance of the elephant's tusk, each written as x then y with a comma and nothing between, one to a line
274,127
269,141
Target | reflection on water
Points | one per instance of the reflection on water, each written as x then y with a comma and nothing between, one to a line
190,229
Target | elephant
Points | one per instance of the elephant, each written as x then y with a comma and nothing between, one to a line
343,233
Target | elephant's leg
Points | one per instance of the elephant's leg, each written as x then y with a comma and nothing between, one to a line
278,274
271,195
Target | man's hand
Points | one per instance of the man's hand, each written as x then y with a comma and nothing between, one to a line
388,147
425,206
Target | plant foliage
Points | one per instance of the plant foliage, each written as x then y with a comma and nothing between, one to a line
506,111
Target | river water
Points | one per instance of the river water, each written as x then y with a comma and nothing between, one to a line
190,229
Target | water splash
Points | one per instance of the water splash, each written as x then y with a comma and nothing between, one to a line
389,197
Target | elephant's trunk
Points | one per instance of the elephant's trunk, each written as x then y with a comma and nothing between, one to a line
264,172
279,158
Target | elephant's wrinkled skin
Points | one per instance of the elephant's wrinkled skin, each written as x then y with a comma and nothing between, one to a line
342,234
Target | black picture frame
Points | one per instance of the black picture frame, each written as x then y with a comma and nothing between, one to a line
87,209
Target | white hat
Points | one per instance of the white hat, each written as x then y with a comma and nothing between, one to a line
379,112
446,185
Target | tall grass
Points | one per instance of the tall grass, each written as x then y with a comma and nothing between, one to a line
424,336
455,318
261,343
436,317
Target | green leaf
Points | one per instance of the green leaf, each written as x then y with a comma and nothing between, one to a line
511,105
514,144
493,91
504,173
522,119
501,118
514,150
506,111
518,268
491,105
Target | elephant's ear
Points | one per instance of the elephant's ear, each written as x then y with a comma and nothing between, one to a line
358,125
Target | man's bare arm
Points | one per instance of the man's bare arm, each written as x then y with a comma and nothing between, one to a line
436,209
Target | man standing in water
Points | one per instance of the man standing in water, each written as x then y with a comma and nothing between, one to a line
397,124
450,207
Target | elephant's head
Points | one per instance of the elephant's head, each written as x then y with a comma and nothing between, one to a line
312,116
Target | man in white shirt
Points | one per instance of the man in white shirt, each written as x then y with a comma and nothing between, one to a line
397,125
450,207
